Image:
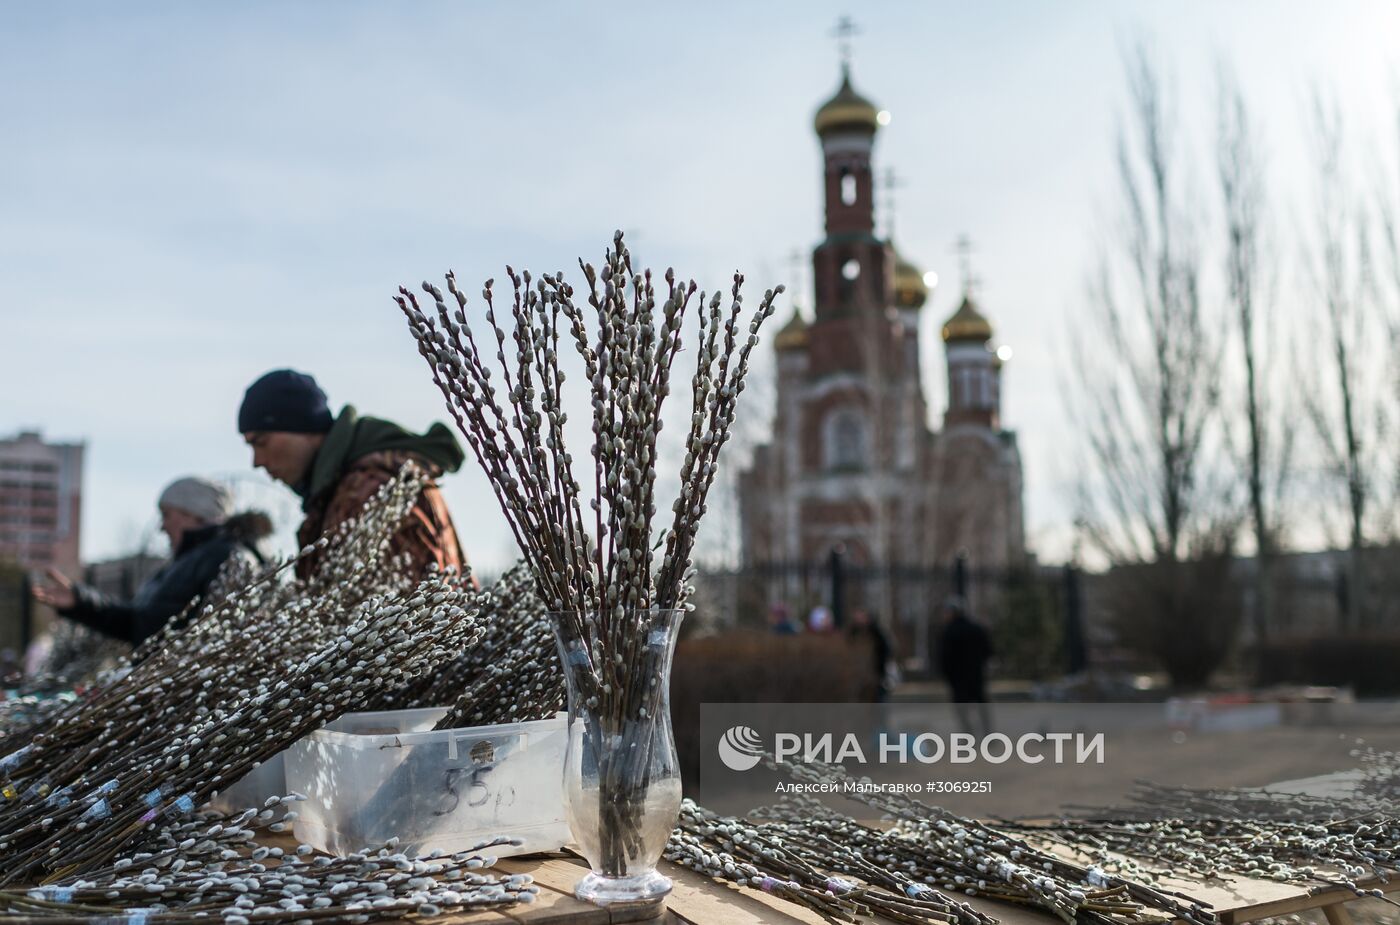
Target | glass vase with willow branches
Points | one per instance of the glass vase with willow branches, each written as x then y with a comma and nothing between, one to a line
610,577
622,779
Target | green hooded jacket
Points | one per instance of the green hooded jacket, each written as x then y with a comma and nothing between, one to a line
352,437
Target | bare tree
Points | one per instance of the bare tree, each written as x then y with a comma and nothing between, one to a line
1146,384
1344,402
1388,206
1269,435
1147,370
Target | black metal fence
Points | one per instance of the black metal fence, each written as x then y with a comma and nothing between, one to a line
16,615
1036,615
1049,621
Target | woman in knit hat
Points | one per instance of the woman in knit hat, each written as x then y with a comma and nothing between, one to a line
204,534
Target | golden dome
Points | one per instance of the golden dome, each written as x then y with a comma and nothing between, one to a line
967,323
910,290
847,109
793,335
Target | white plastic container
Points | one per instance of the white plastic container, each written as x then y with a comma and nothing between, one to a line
268,779
369,777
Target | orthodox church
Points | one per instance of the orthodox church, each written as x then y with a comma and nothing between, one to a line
852,463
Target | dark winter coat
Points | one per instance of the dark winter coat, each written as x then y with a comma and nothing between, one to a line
964,649
873,635
358,457
181,581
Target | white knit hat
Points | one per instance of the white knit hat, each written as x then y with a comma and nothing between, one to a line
206,500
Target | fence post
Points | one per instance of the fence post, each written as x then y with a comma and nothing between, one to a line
837,561
26,614
1343,592
960,575
1076,655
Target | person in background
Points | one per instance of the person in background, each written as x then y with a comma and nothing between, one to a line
820,620
864,630
964,648
780,621
197,517
337,464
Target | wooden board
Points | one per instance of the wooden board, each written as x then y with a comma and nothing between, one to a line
1240,899
698,900
556,875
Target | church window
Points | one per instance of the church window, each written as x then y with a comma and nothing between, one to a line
848,189
904,446
845,439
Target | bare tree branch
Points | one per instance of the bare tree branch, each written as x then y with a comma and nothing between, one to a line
1346,407
1249,276
1154,492
1148,360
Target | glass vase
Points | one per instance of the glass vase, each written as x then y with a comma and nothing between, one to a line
622,780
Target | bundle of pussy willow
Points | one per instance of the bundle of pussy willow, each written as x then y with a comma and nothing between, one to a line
512,673
918,869
1346,841
599,563
100,805
75,655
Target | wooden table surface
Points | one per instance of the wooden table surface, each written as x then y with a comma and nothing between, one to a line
703,901
698,899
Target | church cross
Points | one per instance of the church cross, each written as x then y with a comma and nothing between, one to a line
891,182
797,263
963,248
846,29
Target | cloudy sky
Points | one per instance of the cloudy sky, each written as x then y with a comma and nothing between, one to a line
191,194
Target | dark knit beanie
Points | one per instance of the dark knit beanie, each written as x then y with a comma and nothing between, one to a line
285,400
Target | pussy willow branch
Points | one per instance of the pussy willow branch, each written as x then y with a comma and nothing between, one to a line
599,575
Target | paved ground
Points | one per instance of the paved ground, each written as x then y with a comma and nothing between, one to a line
1139,744
1235,759
1245,746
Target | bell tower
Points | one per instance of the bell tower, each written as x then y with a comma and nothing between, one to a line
974,370
851,267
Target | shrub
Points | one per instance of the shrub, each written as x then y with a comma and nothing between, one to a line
747,666
1366,663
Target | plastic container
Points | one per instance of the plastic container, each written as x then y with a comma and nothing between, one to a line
268,779
369,777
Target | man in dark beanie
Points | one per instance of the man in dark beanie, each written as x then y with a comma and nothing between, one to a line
336,464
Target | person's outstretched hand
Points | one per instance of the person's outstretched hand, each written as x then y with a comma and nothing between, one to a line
58,594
